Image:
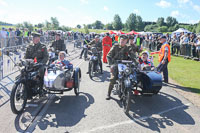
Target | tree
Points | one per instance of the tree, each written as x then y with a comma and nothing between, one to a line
89,26
176,26
162,29
139,23
47,25
98,24
78,26
131,22
54,23
40,25
161,21
117,24
64,28
198,28
28,25
170,21
152,28
108,26
86,29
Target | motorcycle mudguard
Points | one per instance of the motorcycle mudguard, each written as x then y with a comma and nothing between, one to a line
151,81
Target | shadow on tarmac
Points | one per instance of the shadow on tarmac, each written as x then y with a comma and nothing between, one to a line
158,111
102,77
64,111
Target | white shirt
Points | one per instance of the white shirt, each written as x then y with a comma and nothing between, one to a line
198,47
3,34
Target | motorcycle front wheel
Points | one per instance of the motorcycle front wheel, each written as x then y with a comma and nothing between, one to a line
126,100
18,98
91,69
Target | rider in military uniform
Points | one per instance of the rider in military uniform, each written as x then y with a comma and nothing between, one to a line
118,52
134,50
98,44
38,53
37,50
58,44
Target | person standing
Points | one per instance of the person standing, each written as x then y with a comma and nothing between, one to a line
193,47
164,58
198,47
107,44
85,47
3,35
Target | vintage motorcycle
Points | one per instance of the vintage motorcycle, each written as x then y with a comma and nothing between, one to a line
30,84
94,62
132,81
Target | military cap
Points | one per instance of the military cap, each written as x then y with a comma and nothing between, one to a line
58,34
97,36
35,34
124,36
163,37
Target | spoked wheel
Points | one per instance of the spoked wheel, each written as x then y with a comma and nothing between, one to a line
18,98
126,100
91,70
77,83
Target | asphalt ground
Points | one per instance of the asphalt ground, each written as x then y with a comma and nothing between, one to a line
90,112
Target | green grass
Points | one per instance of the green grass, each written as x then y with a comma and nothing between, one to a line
92,30
184,72
7,26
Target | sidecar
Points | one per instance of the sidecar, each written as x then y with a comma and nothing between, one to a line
57,81
150,82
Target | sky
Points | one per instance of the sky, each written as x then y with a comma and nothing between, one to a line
73,12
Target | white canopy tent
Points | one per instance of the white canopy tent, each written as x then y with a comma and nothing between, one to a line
180,30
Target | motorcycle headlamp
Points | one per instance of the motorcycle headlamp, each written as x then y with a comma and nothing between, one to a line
127,71
94,58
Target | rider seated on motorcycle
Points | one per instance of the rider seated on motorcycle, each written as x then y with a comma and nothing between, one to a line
98,44
144,62
62,62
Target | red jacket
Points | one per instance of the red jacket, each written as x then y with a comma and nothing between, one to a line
107,40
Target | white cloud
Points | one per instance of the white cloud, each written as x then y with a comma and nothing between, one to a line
3,3
105,8
175,14
163,4
197,8
84,1
63,9
183,1
193,21
136,11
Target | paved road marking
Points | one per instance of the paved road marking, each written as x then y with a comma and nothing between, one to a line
131,121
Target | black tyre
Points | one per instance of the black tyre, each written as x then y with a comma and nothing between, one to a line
77,83
18,98
91,70
126,100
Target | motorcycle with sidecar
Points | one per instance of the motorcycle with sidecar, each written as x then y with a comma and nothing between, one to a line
29,83
132,81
